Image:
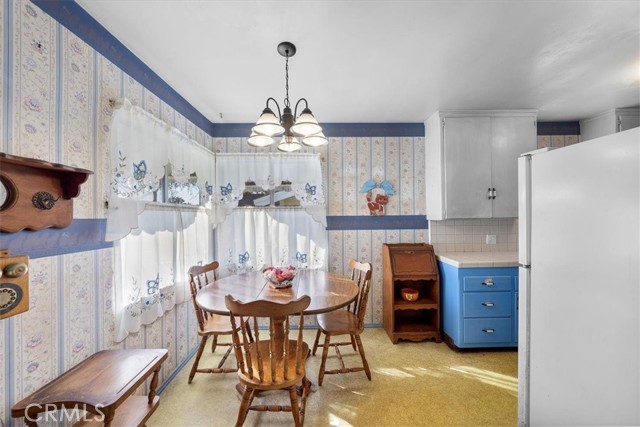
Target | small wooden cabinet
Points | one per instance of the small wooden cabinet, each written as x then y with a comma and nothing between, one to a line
479,306
411,265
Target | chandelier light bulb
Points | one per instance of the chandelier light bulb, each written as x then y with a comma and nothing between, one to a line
316,140
258,140
268,124
306,124
289,144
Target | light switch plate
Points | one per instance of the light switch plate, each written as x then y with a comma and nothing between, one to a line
491,239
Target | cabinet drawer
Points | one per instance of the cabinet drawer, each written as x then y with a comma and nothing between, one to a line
487,283
487,304
489,330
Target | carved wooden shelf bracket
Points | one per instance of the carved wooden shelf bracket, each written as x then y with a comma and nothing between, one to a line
36,194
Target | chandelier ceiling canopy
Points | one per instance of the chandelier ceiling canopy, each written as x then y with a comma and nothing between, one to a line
286,124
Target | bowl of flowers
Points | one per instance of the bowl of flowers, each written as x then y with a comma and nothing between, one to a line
279,277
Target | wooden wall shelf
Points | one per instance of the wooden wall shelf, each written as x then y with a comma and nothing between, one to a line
36,194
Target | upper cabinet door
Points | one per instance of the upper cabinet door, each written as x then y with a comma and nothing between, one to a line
467,163
628,121
609,122
511,136
472,162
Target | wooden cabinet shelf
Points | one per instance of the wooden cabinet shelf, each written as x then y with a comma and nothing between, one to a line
411,266
420,303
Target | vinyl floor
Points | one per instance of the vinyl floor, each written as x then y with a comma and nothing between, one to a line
413,384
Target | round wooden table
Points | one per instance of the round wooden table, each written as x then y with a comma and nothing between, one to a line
328,291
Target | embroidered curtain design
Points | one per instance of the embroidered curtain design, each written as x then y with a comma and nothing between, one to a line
267,171
152,263
141,146
252,238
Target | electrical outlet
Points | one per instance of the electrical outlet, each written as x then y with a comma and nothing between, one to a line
491,239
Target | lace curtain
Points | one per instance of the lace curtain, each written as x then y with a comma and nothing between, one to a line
252,238
152,263
267,171
141,146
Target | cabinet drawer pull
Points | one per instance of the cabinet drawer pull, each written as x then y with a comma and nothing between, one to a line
488,304
487,282
488,331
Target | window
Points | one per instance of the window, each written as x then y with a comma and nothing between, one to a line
256,196
262,223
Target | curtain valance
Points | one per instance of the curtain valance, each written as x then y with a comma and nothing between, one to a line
303,171
141,146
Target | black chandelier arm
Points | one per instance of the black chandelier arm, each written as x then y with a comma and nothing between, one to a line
277,105
306,106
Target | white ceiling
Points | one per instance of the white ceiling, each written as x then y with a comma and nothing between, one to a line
387,61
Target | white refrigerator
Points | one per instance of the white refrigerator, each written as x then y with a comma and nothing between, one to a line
579,284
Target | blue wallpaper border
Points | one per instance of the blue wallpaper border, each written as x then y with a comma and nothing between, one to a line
235,130
88,234
71,15
82,235
558,128
388,222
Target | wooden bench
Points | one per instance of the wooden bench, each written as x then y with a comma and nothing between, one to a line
103,386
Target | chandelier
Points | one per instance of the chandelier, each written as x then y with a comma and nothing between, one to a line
269,125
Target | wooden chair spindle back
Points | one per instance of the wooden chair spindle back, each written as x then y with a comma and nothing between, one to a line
267,359
200,276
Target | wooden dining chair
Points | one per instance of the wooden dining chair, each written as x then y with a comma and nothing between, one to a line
346,322
209,325
274,361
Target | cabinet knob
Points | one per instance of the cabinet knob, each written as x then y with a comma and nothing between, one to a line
488,331
488,304
487,282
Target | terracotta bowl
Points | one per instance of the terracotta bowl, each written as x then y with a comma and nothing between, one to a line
409,294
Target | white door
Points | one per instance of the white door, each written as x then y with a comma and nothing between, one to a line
510,137
467,159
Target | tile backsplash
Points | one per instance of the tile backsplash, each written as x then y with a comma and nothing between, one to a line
470,235
557,141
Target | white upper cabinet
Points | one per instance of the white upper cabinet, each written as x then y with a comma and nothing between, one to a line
471,162
609,122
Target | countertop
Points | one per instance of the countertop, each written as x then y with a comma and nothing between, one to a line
479,259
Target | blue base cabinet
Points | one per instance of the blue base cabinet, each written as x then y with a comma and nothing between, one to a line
479,306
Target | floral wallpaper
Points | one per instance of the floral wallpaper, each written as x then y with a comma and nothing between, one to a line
55,106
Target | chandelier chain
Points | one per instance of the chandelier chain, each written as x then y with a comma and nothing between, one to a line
286,68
